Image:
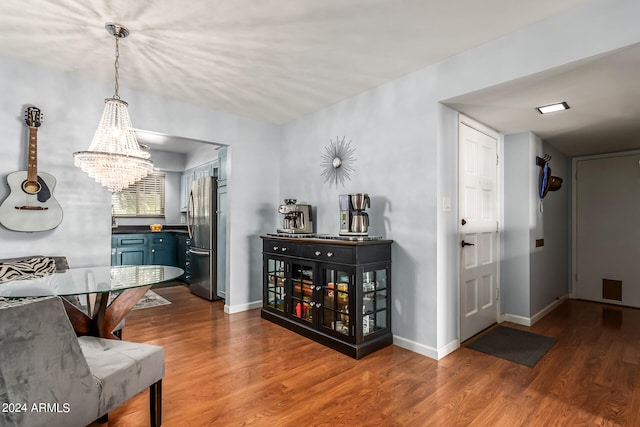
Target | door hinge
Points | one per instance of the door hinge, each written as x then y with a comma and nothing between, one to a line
497,225
497,294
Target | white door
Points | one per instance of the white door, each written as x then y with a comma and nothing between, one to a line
607,197
478,222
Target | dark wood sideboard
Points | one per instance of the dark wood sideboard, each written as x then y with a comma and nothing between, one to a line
335,292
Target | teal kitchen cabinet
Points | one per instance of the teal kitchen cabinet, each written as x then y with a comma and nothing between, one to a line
144,249
132,256
163,249
131,249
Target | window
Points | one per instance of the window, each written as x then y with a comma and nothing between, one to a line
145,198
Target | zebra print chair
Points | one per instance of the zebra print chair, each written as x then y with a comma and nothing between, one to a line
28,267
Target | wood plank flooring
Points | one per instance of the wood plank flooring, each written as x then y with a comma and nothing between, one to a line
240,370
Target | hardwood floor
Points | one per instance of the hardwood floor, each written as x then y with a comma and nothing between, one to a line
238,370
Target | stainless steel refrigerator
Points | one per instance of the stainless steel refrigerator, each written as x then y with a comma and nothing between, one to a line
202,225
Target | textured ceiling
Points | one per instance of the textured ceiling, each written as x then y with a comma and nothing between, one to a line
272,60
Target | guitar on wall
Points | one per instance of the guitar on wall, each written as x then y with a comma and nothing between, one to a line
30,205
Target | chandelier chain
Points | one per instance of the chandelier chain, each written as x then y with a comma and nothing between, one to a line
116,65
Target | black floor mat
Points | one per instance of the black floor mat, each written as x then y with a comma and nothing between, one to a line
514,345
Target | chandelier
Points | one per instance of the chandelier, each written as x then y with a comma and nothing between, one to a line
114,158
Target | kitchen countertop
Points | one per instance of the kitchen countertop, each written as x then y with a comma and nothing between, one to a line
137,229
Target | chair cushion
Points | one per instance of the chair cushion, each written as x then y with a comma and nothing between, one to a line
28,268
122,369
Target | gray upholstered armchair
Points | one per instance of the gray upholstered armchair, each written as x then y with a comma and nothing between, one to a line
49,377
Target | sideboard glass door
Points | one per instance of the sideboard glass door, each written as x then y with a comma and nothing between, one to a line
302,291
275,292
374,301
336,298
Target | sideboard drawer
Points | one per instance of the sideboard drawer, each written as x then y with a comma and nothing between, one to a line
328,253
281,247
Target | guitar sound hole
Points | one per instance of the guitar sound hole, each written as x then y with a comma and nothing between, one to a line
31,187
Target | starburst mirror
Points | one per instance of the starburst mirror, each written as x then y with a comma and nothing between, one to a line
337,161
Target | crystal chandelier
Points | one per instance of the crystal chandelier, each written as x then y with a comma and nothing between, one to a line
115,158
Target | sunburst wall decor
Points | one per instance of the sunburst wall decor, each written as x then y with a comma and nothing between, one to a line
337,161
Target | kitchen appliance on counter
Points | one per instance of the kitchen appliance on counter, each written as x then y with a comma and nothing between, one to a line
202,222
354,221
297,218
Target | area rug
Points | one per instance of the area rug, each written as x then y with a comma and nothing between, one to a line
150,299
517,346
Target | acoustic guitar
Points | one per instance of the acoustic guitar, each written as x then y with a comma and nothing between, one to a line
30,205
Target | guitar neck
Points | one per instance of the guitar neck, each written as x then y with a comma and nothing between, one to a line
32,164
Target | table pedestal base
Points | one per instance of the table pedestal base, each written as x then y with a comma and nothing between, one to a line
104,316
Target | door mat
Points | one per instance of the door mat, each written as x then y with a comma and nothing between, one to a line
517,346
150,299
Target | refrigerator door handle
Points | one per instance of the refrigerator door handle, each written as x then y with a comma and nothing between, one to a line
190,217
197,252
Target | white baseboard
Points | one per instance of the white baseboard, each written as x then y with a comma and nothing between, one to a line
426,350
231,309
548,309
529,321
448,348
518,320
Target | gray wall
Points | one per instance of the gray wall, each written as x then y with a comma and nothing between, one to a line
550,263
533,277
393,129
448,251
71,107
519,186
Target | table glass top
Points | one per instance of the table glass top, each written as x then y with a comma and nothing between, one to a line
89,280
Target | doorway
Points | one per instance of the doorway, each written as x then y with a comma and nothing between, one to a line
478,227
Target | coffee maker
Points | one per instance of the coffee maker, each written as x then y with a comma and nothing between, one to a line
297,218
354,221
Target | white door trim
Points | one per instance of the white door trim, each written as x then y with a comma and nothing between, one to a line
462,119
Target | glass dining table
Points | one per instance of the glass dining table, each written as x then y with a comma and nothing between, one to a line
111,292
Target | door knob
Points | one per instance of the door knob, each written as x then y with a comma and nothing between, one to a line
464,221
467,244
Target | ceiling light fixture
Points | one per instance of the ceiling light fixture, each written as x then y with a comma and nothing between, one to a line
553,108
115,158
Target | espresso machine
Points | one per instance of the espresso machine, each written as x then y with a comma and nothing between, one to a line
354,221
297,218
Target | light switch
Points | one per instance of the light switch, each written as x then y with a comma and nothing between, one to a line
446,204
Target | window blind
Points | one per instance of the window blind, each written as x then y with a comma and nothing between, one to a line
145,198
